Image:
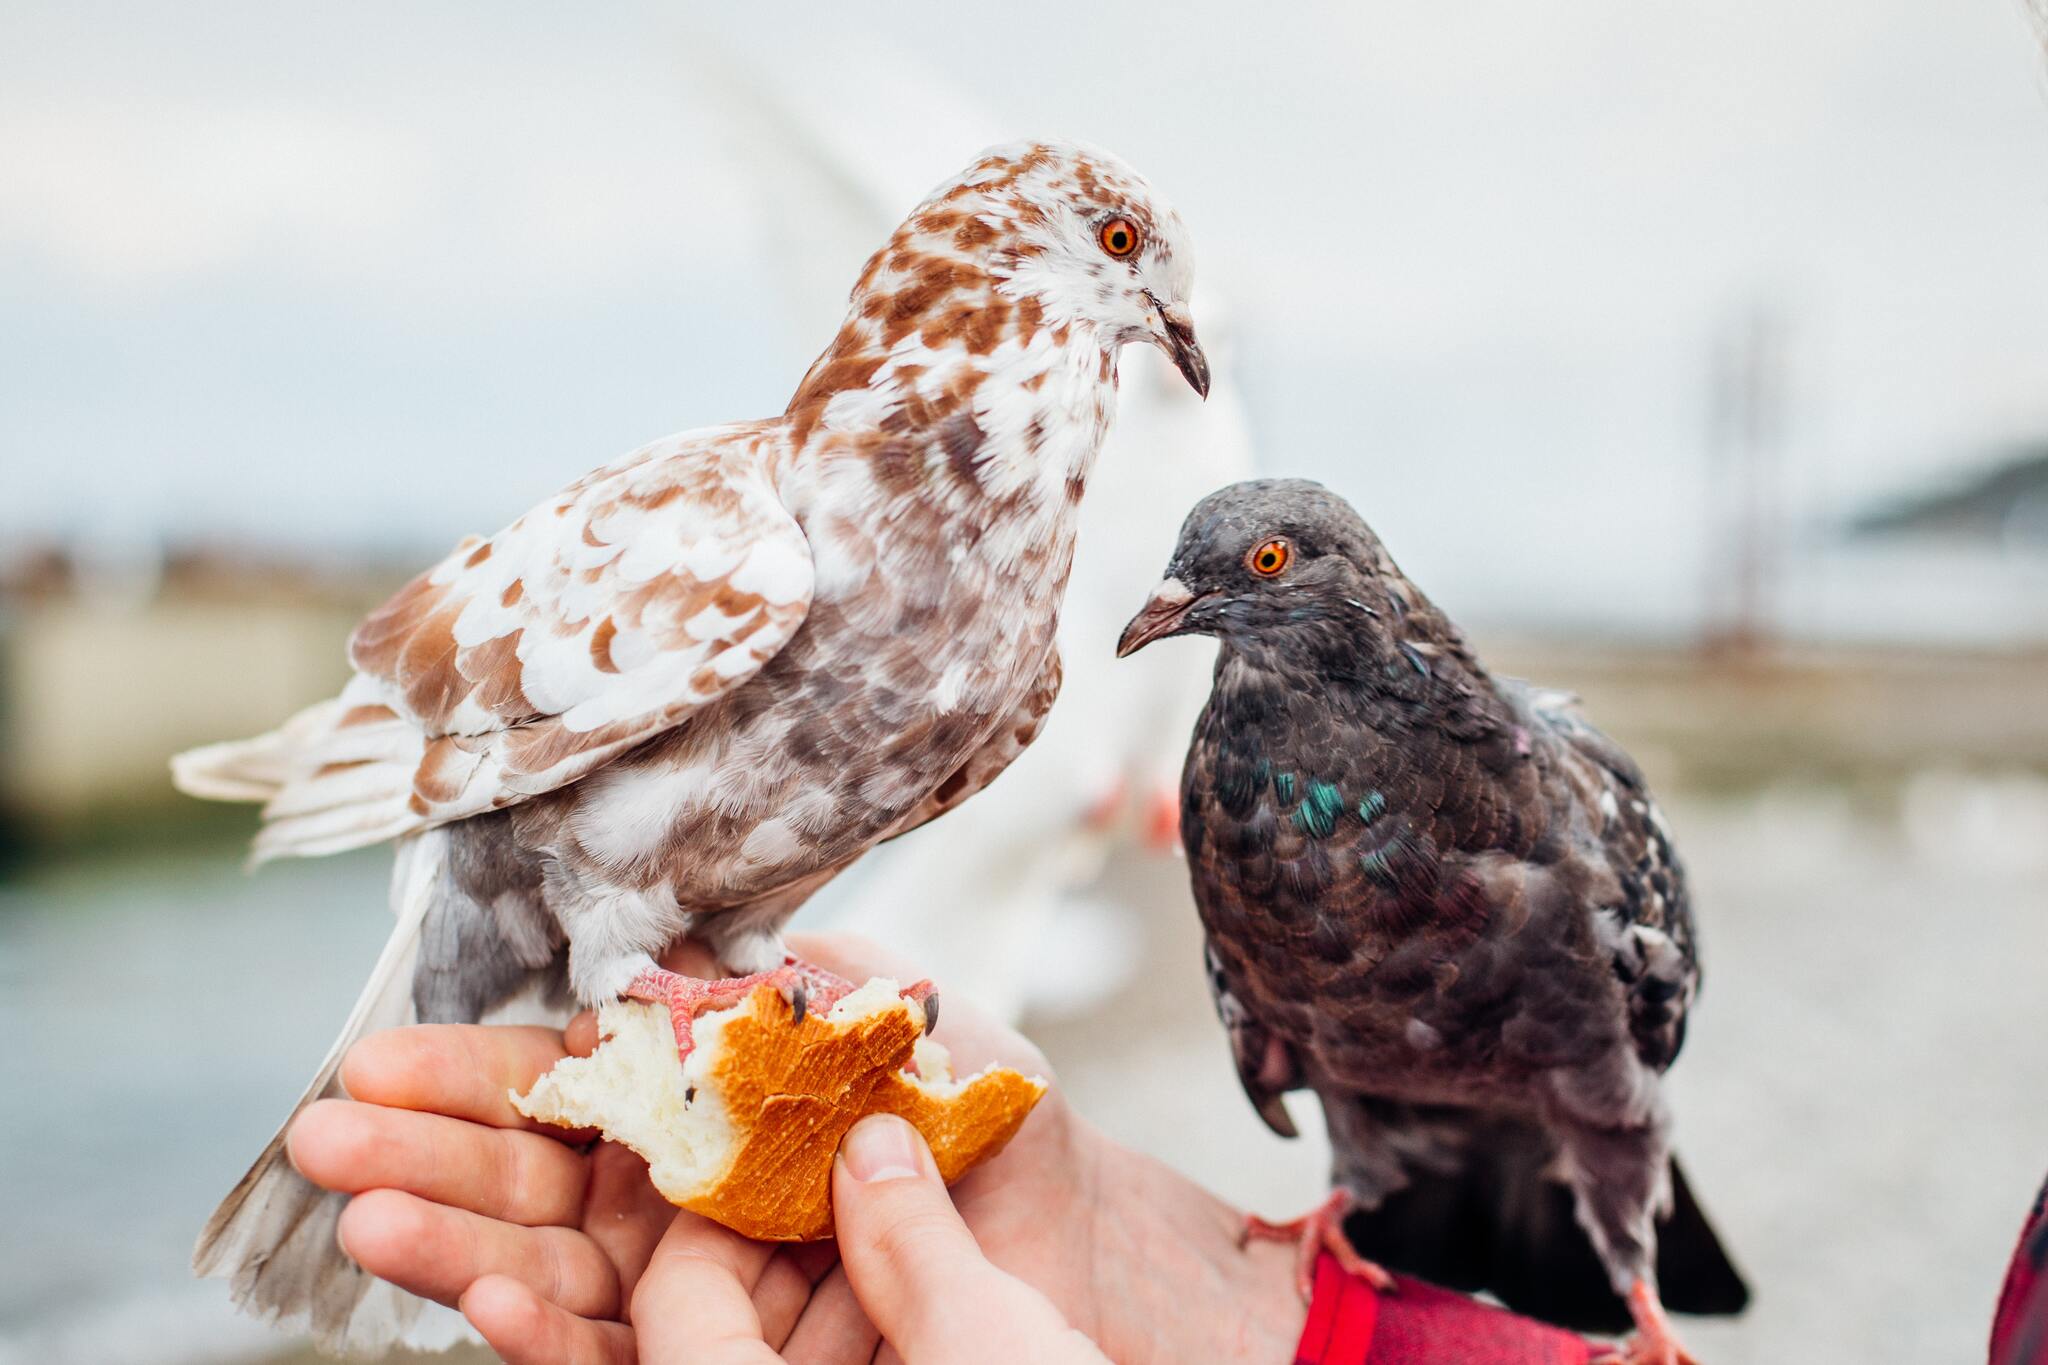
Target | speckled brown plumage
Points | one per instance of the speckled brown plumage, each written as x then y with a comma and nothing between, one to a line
687,690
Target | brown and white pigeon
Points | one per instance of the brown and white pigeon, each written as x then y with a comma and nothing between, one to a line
1448,906
680,695
1103,775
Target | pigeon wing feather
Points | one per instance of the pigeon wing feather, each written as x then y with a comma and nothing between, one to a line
633,599
1648,932
998,752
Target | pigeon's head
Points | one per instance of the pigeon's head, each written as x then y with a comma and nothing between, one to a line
1271,564
1064,235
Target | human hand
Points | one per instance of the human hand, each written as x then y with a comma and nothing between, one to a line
536,1233
913,1267
452,1185
1130,1253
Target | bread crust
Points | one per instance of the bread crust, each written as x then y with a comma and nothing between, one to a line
789,1091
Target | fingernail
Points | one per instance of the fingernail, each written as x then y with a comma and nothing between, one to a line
882,1147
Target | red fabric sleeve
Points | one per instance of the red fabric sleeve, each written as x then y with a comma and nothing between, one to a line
2019,1330
1349,1323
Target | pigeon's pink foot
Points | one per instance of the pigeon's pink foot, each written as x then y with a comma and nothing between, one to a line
804,985
1320,1229
688,996
811,987
1101,814
1654,1343
927,997
807,986
1162,819
814,988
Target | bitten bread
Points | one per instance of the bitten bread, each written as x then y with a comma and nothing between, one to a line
744,1130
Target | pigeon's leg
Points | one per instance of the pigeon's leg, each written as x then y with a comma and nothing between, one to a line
748,942
811,987
1320,1229
804,985
807,986
1620,1177
1101,815
1654,1342
927,997
1162,818
689,996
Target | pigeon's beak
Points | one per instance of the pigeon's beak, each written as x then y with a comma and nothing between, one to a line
1179,342
1162,615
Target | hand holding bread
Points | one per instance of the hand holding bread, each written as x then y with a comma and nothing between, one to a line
743,1131
545,1241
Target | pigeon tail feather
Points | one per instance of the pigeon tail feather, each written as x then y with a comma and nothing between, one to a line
273,1237
327,784
252,769
1497,1221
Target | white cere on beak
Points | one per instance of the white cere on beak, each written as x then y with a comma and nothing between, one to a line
1171,592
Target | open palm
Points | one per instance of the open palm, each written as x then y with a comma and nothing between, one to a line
542,1237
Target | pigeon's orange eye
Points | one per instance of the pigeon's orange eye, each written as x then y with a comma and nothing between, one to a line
1270,558
1119,237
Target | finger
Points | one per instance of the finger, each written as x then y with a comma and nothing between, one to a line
853,957
691,958
783,1296
914,1265
815,1259
833,1328
437,1253
623,1212
779,1297
465,1071
514,1176
525,1329
579,1036
695,1301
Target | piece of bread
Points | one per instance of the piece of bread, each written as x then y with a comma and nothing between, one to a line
744,1130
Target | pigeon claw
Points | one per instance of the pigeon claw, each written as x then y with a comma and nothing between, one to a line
927,997
687,997
1101,815
806,987
1320,1229
1162,819
1654,1343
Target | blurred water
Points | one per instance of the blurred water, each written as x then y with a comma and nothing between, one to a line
163,1013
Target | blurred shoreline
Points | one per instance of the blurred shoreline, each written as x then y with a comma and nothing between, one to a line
1715,721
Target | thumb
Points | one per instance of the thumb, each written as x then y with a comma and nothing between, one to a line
914,1266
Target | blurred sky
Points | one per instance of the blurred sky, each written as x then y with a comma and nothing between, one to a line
371,276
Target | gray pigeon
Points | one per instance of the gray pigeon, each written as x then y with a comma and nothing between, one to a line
1450,907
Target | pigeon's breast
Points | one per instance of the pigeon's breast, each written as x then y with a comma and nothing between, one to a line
1385,1018
1389,960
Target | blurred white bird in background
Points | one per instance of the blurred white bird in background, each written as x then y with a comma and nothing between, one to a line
834,165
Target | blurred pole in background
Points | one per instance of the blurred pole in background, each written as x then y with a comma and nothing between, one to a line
1746,482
